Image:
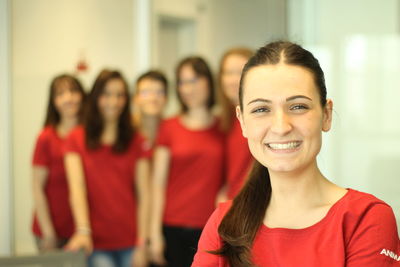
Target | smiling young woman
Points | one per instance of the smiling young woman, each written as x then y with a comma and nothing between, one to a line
188,168
108,179
53,223
238,159
149,100
282,117
288,213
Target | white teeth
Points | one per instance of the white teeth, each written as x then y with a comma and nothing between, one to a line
290,145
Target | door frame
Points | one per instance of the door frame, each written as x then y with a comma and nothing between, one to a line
6,185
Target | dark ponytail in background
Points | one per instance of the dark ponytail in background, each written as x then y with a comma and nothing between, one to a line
240,225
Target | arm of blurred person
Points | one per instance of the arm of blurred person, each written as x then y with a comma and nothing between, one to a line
159,181
222,195
49,239
142,182
81,239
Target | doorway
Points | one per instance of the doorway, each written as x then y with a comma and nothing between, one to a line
176,38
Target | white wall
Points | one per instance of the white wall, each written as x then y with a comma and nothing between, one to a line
5,132
225,23
244,23
48,37
208,28
359,43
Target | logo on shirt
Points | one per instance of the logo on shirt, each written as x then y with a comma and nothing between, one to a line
390,254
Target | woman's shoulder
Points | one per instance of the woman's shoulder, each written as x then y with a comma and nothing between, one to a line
77,131
370,230
77,134
174,119
170,122
363,208
47,132
359,201
141,142
221,210
217,124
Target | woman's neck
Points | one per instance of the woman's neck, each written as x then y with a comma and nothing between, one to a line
148,126
296,189
300,199
109,134
65,125
197,118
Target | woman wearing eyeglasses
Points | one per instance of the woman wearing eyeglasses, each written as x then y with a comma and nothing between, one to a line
188,168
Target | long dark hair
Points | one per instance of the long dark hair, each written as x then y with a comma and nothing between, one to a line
201,69
52,115
93,121
241,223
227,108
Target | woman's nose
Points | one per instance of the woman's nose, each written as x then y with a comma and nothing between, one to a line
281,123
67,94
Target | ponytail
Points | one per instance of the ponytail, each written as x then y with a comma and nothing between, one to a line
241,223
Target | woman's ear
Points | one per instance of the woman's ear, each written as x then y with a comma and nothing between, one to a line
327,115
239,116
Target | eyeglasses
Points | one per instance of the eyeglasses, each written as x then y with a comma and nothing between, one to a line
188,81
148,92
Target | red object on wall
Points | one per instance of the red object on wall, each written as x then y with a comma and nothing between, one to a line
82,66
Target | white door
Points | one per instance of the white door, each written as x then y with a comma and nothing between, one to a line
176,38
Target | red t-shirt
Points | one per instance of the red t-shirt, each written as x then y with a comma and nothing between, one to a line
358,231
49,153
195,173
109,178
238,159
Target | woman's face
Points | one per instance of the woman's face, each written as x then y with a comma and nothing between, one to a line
150,98
282,117
113,100
231,71
67,100
194,90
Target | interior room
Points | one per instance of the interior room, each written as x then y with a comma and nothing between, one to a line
357,43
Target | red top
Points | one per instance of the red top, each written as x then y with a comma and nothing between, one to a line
238,159
359,230
195,173
109,178
48,154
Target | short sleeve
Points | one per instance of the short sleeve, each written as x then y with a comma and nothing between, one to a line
41,154
163,136
375,242
72,142
210,241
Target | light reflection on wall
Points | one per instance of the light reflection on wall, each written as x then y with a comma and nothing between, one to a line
370,137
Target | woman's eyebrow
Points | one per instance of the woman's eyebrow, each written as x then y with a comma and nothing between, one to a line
287,99
259,100
297,96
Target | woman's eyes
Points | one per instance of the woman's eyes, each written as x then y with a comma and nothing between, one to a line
295,108
109,94
299,107
260,110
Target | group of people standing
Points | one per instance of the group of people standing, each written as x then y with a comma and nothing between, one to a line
141,191
113,177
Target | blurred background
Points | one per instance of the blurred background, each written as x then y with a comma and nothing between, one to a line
357,43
